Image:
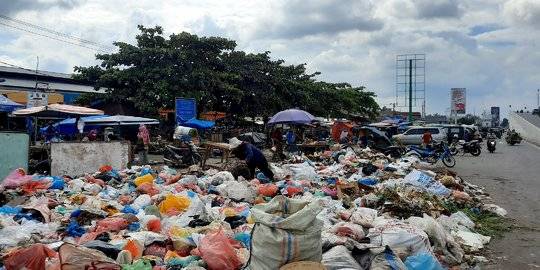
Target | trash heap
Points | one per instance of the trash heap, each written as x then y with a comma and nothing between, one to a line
347,210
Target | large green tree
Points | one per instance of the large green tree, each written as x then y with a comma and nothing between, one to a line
152,73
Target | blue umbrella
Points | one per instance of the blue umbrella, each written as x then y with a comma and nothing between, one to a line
8,105
292,116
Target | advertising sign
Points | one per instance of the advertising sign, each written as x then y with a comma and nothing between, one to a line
37,99
186,109
495,116
458,100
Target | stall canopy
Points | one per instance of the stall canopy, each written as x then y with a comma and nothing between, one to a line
292,116
8,105
69,127
120,120
198,124
57,110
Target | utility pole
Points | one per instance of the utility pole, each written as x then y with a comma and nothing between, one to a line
538,99
410,91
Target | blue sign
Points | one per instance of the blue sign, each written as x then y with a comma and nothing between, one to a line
186,109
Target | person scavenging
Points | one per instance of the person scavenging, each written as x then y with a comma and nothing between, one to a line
143,142
253,157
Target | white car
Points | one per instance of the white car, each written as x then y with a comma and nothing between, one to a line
414,135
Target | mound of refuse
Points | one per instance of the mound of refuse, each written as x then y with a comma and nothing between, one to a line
346,210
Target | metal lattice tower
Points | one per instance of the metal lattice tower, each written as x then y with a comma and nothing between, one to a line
410,81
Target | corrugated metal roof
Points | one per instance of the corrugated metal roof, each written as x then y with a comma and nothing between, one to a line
33,72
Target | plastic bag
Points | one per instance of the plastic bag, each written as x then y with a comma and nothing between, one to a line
77,257
135,248
147,178
350,230
422,180
364,216
286,230
57,183
74,229
16,179
32,257
148,188
401,237
339,258
495,209
462,219
268,190
154,225
423,261
218,253
239,191
139,265
174,204
141,201
111,224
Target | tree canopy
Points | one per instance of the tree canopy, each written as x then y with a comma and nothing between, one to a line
152,73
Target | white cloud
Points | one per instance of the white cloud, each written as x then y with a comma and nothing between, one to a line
488,46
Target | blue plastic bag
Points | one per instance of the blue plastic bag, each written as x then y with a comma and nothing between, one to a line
244,238
74,229
129,210
423,261
8,210
57,183
368,181
135,226
145,171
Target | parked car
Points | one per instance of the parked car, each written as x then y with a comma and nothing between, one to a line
414,135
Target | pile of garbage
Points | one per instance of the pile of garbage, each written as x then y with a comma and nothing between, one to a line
349,210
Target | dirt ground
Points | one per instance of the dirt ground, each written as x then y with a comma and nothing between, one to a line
512,177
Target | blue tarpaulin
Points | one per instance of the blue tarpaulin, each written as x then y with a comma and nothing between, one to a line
68,127
8,105
198,124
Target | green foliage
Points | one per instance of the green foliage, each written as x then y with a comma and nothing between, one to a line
157,69
468,119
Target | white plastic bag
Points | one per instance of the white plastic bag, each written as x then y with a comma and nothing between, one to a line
462,219
364,216
237,191
404,239
472,241
141,202
339,258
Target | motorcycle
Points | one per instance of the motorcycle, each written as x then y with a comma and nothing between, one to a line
491,145
513,138
181,156
472,147
433,154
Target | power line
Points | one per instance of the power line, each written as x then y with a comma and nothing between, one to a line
58,39
53,31
58,35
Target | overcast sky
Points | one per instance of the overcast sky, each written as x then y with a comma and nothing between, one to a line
487,46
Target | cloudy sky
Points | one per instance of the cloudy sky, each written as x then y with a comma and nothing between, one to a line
487,46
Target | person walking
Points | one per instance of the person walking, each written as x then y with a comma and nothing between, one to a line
253,157
291,141
426,138
143,142
277,140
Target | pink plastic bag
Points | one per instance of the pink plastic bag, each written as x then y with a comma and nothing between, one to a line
111,224
16,179
218,253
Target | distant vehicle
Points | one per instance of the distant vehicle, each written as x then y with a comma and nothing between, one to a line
491,144
513,137
439,151
413,136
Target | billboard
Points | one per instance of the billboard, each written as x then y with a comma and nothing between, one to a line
495,116
35,99
458,100
186,109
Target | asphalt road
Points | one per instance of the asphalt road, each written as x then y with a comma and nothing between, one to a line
511,176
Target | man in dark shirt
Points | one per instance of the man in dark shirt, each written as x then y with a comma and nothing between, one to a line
253,156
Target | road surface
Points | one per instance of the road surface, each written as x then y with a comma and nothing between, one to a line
511,176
